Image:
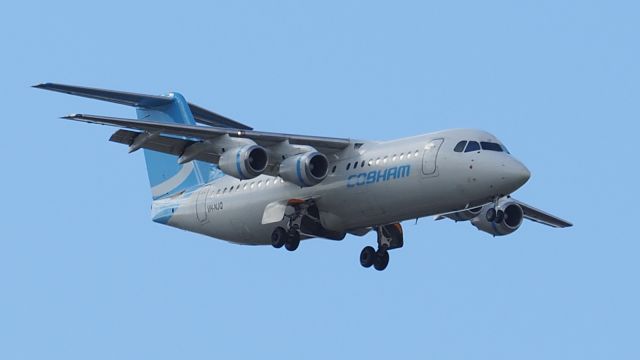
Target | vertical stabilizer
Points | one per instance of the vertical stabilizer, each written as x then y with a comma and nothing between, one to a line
166,176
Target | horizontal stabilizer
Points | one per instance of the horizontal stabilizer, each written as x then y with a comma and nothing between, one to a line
200,114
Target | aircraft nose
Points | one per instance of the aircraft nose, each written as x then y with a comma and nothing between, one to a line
517,174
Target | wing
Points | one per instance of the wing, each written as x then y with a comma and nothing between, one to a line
194,134
542,217
164,144
200,114
529,212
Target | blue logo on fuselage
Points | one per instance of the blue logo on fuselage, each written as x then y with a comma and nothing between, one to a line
372,177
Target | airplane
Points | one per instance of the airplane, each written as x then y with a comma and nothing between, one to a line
226,180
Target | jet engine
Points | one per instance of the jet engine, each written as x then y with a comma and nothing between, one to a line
307,169
244,162
499,220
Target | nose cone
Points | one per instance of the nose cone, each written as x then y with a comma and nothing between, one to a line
516,174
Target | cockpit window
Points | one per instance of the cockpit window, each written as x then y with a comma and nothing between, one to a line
491,146
460,146
472,146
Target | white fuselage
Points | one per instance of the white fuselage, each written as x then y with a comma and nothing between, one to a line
374,183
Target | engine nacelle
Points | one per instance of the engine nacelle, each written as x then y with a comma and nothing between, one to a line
307,169
501,220
244,162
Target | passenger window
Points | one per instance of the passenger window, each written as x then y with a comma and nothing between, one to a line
219,190
362,164
224,191
378,161
334,169
244,187
491,146
259,183
370,162
394,157
417,152
472,146
348,166
384,161
253,185
460,146
401,156
355,164
408,155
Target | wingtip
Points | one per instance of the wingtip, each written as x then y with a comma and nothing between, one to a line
39,85
70,116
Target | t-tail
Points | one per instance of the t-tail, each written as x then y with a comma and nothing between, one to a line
167,177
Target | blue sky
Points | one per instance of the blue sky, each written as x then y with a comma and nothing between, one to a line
85,274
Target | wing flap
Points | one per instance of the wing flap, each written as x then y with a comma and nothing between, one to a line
163,144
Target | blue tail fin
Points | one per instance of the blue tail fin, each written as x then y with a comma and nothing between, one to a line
166,176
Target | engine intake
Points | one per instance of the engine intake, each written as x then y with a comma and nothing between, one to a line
245,162
307,169
500,220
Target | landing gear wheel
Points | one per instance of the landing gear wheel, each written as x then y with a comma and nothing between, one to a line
293,240
381,260
491,215
279,237
367,256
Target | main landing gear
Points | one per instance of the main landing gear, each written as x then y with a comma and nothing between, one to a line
289,239
389,237
303,220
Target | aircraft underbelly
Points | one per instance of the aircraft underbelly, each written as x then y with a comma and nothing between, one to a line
237,216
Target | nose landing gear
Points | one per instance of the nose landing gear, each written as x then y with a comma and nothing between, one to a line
494,215
389,237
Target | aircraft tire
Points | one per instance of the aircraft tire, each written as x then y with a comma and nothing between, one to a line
293,240
491,215
381,260
279,237
367,256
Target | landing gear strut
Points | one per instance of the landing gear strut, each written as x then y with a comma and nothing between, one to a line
389,237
